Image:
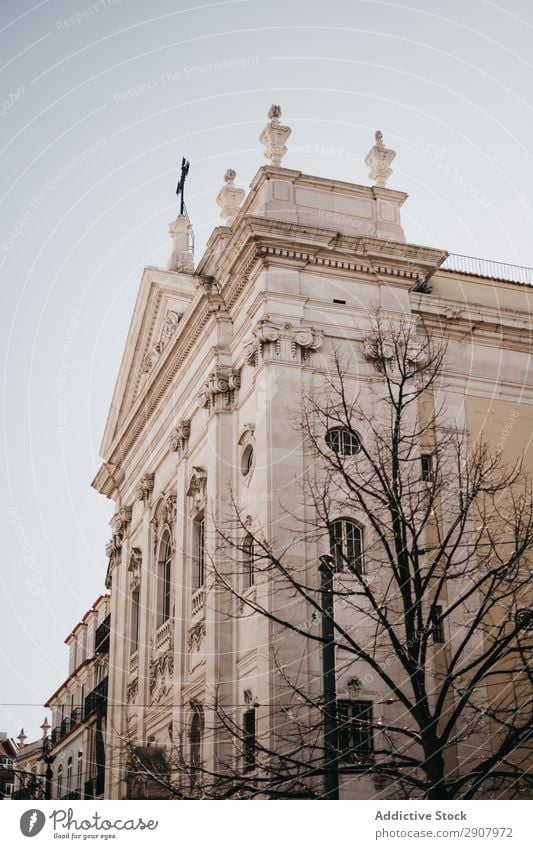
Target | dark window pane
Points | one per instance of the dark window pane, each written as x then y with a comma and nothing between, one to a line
249,739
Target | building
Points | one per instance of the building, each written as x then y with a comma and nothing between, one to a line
213,367
31,767
8,754
75,746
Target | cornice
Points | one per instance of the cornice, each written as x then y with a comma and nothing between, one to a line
487,325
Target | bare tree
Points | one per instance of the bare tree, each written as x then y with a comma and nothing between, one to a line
413,584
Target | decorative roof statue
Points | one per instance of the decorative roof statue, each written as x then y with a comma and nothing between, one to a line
274,137
229,197
378,160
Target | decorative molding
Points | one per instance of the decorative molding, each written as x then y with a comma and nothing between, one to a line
197,487
247,433
211,291
196,635
382,353
307,339
119,525
161,672
168,328
134,568
145,487
132,690
266,337
218,390
165,519
179,436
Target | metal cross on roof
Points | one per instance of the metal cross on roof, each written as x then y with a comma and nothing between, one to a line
180,188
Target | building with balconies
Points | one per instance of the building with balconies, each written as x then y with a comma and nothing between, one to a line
75,746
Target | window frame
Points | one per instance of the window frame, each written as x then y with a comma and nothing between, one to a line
355,741
249,725
437,625
164,578
135,619
348,442
198,559
338,547
248,564
427,471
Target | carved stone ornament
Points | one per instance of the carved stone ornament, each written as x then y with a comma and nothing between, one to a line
119,524
170,322
230,197
134,568
380,354
307,339
179,436
274,137
145,487
218,389
378,160
165,519
161,672
197,487
264,334
196,635
133,688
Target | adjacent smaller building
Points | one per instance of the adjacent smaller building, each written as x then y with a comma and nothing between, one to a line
8,753
76,745
31,766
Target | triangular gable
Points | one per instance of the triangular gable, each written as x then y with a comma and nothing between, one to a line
162,300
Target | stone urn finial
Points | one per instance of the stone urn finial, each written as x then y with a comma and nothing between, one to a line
230,197
274,136
378,160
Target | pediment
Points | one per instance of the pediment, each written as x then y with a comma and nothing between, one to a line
162,301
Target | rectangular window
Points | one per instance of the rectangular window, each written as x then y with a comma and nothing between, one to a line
198,576
426,461
346,546
249,739
135,621
437,625
355,730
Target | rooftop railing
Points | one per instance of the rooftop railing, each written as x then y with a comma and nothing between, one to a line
488,268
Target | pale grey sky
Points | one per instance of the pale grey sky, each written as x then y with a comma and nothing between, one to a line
99,101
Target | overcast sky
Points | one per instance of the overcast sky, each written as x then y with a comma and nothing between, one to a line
98,104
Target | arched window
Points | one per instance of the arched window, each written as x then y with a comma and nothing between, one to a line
247,460
343,441
198,572
60,781
248,575
346,545
164,579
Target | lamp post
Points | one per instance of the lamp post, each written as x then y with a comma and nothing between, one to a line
329,684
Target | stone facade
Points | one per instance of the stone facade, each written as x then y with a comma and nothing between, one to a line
211,379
